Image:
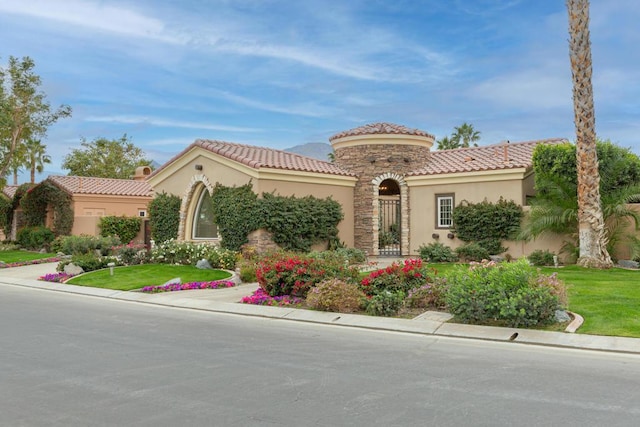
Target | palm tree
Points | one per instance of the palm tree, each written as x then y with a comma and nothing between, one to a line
35,157
465,134
446,143
591,228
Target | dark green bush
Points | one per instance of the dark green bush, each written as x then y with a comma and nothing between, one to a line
510,294
335,295
164,217
90,261
472,252
386,303
37,237
437,252
125,228
541,257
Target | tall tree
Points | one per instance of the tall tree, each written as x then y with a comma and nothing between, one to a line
591,229
446,143
35,157
24,111
465,134
105,158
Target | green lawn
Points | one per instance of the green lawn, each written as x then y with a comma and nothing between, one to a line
138,276
609,300
17,256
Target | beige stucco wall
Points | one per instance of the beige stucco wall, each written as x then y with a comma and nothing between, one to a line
89,208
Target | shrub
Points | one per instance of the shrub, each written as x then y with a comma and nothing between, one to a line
37,237
346,256
430,295
248,271
513,294
493,246
221,257
396,277
131,254
283,273
472,252
335,295
84,244
385,303
126,228
189,253
541,257
90,262
164,217
437,252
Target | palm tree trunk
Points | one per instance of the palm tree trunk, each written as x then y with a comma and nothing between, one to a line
593,240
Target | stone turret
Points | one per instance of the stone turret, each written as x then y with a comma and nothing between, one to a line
375,153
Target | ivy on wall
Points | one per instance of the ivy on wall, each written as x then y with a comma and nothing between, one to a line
296,222
34,205
164,217
487,224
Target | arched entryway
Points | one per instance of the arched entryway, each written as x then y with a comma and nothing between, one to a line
389,217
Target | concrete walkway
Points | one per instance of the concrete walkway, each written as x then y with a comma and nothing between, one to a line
227,301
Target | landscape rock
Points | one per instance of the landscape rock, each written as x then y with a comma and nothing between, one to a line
562,316
203,264
73,269
627,263
496,258
174,281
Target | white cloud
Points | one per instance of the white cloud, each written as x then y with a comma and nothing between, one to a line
92,15
168,123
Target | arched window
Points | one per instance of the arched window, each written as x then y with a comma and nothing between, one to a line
203,225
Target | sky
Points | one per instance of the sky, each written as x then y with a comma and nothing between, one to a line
280,73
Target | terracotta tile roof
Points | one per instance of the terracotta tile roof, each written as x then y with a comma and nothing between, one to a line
9,190
263,157
102,186
380,128
485,158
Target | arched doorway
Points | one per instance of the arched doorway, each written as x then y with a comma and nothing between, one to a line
389,218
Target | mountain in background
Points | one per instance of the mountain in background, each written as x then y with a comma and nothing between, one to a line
316,150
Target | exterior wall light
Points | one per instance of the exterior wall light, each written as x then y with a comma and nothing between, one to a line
435,235
451,235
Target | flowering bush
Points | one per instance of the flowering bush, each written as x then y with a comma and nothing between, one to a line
171,287
55,277
336,295
284,273
514,294
260,297
189,253
396,277
385,303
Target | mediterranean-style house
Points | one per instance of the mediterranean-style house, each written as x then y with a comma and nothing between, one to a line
396,193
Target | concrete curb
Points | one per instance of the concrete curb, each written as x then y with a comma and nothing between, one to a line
219,301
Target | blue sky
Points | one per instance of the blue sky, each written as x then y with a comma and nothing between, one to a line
283,73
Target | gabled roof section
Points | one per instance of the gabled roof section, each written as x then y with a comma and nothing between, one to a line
9,190
102,186
380,128
262,157
489,157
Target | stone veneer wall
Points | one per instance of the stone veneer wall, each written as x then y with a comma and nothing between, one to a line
368,162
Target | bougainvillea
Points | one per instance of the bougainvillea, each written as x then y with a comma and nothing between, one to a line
403,276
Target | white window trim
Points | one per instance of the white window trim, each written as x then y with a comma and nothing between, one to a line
440,199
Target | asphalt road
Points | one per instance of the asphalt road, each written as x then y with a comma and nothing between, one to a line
71,360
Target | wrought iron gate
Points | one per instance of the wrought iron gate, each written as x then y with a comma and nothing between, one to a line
389,230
